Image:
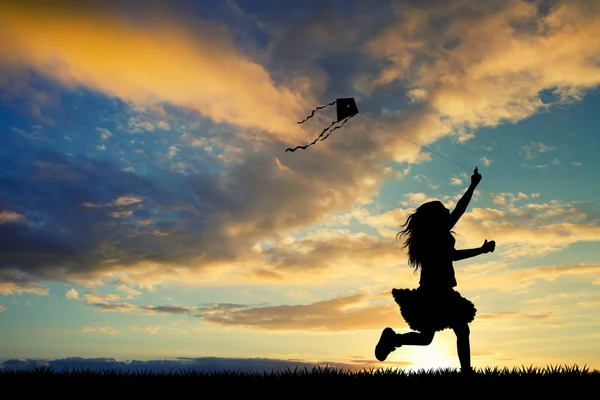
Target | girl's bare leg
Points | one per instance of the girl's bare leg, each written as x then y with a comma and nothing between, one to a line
463,347
414,339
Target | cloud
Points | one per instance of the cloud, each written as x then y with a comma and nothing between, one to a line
414,200
512,315
130,292
456,181
173,151
577,163
138,126
417,95
524,278
489,63
536,147
486,161
592,303
203,227
509,199
8,288
106,330
115,302
97,298
10,217
34,136
121,214
348,313
521,227
188,63
167,309
24,97
2,309
127,200
530,229
104,133
555,299
209,221
110,303
525,230
164,125
72,294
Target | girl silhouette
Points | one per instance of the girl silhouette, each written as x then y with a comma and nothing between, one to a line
434,305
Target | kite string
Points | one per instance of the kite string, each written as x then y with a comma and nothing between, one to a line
417,144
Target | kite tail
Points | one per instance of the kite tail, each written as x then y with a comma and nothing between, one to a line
318,108
320,137
313,142
338,127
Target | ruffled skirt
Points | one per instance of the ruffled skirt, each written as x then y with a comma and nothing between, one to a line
433,310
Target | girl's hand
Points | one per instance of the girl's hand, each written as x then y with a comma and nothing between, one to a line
488,246
475,178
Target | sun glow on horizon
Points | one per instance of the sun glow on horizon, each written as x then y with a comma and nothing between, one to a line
435,356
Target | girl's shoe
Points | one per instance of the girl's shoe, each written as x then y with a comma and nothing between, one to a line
386,344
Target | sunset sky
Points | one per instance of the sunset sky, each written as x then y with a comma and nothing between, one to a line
148,210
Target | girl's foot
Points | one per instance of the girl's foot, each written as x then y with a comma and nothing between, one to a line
386,344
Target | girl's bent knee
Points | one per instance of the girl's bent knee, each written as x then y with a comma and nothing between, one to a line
427,337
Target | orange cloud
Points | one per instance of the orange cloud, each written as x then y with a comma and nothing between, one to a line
336,254
503,278
10,217
489,63
124,307
512,315
154,60
334,315
12,288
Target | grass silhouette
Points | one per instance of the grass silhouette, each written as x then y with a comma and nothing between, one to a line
319,375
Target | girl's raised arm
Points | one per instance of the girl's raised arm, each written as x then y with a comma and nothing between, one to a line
462,204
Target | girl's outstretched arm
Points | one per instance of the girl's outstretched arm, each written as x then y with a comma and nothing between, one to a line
487,247
462,204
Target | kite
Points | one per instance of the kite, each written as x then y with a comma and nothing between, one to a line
346,109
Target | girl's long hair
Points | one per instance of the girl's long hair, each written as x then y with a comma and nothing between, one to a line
420,230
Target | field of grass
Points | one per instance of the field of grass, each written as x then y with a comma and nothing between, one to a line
550,375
